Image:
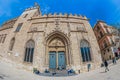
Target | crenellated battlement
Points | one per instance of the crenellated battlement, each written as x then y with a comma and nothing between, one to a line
9,21
31,8
61,15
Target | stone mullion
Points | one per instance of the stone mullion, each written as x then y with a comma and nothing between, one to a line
27,54
87,53
30,54
84,54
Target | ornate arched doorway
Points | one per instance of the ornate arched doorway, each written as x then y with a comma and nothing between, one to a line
57,51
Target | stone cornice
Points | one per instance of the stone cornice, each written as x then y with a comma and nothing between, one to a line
1,29
34,31
67,16
54,21
78,31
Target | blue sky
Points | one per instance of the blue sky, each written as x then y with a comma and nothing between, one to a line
107,10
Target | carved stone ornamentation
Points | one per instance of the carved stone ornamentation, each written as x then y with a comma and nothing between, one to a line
57,22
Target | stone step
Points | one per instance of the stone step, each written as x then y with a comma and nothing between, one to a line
58,73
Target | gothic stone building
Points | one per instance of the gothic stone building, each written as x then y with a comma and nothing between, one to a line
49,41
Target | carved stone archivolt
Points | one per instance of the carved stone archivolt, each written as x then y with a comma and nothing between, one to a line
58,41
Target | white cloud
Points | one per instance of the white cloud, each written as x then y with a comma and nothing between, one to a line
5,7
45,10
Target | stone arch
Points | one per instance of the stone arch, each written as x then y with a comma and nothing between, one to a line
57,33
84,43
30,43
63,46
29,51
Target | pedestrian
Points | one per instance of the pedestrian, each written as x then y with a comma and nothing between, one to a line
88,67
106,66
68,71
114,60
54,72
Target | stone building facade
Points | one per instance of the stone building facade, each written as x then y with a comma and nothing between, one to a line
108,39
50,41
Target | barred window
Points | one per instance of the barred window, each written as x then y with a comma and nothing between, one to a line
85,51
29,51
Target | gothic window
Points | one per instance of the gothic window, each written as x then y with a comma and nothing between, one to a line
4,37
18,27
29,51
85,51
12,44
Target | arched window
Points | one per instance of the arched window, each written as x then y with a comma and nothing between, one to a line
12,44
85,51
29,51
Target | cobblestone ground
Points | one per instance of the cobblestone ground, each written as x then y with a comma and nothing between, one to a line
9,72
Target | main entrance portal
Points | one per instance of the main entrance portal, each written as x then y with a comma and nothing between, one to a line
57,60
58,54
